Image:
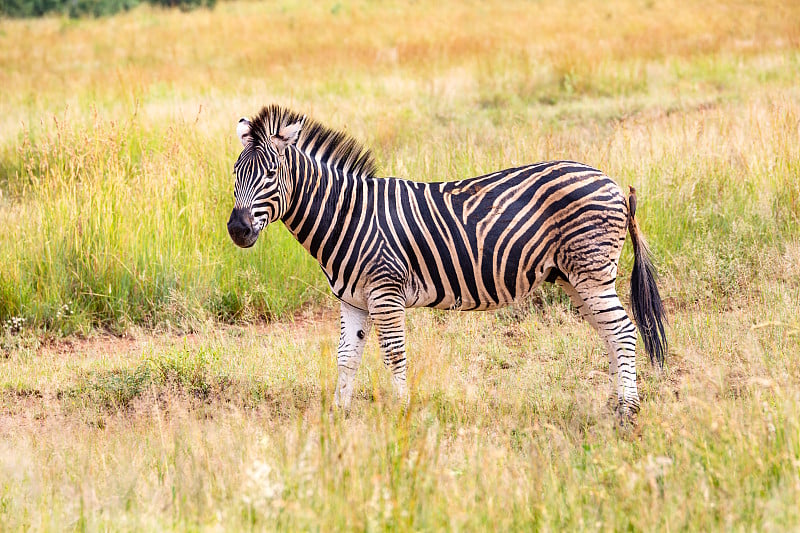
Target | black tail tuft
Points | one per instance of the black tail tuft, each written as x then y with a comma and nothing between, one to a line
648,310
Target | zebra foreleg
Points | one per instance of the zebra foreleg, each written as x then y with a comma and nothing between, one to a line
389,316
355,325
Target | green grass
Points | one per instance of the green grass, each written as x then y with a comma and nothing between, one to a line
209,407
120,225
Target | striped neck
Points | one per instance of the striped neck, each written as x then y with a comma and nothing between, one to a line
323,204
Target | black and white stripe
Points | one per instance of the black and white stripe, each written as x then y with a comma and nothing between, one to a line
386,244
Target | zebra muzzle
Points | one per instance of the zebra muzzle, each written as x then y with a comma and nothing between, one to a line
241,227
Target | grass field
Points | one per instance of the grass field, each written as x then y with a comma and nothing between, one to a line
154,376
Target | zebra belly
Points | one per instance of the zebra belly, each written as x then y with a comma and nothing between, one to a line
456,304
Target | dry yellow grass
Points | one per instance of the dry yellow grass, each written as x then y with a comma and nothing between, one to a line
508,428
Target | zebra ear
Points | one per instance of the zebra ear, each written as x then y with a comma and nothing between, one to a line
287,135
243,131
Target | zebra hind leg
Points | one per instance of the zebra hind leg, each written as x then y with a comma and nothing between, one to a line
388,313
587,315
354,328
615,327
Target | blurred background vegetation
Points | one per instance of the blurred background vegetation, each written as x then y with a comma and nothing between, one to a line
81,8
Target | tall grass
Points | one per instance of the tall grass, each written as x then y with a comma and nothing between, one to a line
127,226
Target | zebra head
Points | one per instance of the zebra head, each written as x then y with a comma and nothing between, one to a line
261,190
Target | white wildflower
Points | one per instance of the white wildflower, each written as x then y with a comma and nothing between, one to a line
14,324
263,488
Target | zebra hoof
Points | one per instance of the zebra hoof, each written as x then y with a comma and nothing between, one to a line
337,410
627,414
626,419
339,406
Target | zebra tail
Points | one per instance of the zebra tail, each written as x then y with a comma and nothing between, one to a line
648,309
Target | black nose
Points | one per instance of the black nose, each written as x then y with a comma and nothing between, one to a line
240,227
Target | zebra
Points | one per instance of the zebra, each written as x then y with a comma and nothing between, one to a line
387,244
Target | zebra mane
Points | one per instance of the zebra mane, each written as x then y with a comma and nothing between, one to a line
334,148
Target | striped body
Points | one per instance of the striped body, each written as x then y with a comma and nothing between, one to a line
386,244
475,244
